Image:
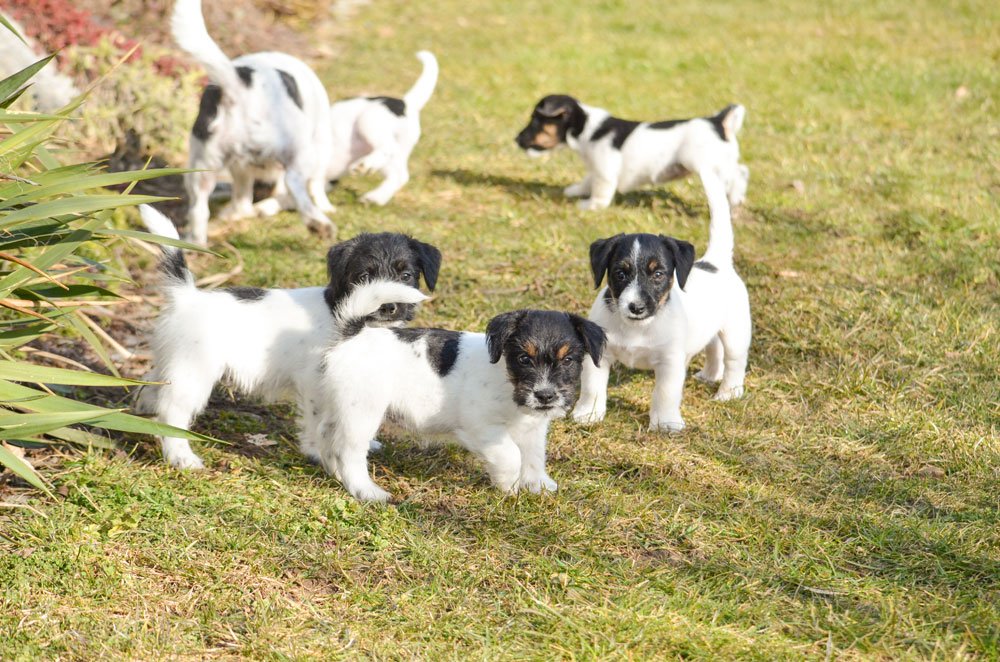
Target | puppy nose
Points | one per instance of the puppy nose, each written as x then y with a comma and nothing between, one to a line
388,309
636,308
545,396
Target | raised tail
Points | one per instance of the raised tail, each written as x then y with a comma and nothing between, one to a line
190,33
421,92
172,264
720,240
364,300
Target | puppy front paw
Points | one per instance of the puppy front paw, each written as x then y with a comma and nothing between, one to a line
588,415
671,426
373,198
590,204
326,231
708,377
184,461
576,190
370,493
536,484
725,394
268,207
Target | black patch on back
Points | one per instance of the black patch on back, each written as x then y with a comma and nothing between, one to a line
173,264
706,266
291,87
442,346
619,128
246,294
396,106
667,124
246,75
208,108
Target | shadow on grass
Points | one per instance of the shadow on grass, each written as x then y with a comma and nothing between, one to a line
516,187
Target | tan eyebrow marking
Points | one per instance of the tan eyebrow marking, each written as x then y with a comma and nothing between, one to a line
562,352
530,349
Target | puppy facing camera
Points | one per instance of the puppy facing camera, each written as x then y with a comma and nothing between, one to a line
493,393
624,155
660,308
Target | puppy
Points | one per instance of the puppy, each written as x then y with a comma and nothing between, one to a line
372,134
622,155
260,111
264,342
434,382
659,309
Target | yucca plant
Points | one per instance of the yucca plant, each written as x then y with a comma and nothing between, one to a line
55,229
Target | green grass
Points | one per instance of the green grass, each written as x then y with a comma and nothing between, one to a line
848,506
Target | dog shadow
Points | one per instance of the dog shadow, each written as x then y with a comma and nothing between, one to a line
517,187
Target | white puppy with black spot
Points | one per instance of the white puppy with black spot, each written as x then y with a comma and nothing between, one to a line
624,155
657,322
267,343
434,381
259,112
372,134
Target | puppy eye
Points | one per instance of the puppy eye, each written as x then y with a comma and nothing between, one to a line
524,359
621,275
568,360
659,274
407,275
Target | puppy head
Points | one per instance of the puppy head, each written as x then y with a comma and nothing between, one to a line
640,269
382,256
553,117
544,351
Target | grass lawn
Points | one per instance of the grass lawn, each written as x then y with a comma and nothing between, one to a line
849,506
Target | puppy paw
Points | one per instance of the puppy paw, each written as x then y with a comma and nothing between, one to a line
374,446
326,231
537,484
370,493
268,207
185,461
373,198
576,190
707,377
670,426
588,416
590,204
372,163
724,394
233,212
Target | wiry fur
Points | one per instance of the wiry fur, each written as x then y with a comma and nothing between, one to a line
369,135
260,111
499,411
622,155
263,342
659,309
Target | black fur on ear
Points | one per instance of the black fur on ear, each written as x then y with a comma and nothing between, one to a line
592,335
554,106
336,263
499,330
430,261
600,255
683,253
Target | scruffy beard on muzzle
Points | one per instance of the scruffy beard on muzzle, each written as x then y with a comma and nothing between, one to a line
524,398
403,315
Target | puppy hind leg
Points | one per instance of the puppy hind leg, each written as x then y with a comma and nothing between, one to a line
345,452
602,192
317,190
314,219
199,187
581,189
711,373
396,177
736,348
240,204
279,201
179,403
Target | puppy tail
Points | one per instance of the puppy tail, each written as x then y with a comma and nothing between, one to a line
720,240
173,265
364,300
421,92
729,121
190,33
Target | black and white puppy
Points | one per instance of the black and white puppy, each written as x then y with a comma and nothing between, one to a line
260,111
623,155
434,381
264,342
372,134
659,309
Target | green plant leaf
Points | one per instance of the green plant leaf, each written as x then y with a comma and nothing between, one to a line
29,372
22,469
15,81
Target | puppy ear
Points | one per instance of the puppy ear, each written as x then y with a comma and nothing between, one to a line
336,270
429,258
552,108
592,335
499,330
683,253
600,256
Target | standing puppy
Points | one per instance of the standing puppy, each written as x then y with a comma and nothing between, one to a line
659,309
623,155
434,381
264,342
260,111
373,134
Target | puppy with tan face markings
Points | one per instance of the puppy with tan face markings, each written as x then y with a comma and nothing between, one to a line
624,155
263,342
660,308
433,382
